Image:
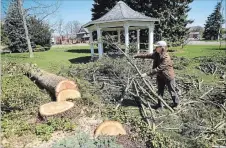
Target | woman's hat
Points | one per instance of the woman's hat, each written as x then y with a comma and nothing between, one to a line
160,44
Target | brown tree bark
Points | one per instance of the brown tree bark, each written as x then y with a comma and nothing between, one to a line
58,86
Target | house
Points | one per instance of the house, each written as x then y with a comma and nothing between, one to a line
53,41
64,39
83,35
194,35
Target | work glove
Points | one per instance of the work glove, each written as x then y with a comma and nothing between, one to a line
153,72
135,56
143,75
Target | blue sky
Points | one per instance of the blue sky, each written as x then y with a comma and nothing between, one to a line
80,10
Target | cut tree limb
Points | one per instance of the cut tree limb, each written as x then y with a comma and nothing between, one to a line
64,85
55,108
110,128
68,94
58,86
206,93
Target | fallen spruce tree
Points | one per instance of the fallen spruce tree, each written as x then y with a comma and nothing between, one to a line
199,122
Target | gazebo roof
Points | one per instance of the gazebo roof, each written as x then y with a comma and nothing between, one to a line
121,12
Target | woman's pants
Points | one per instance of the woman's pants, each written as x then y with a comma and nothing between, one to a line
171,84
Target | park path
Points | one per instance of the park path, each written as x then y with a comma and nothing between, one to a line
70,45
206,43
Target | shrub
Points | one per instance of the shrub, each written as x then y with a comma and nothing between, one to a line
180,63
82,140
15,124
21,96
38,48
20,101
44,130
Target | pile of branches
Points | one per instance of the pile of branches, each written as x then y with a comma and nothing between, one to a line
180,63
212,65
203,109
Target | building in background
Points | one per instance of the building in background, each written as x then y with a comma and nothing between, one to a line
195,35
83,35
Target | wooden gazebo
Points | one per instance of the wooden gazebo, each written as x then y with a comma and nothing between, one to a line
121,17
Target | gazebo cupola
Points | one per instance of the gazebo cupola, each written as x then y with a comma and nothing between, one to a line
121,17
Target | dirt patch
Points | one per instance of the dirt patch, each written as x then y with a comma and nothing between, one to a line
47,144
85,124
88,125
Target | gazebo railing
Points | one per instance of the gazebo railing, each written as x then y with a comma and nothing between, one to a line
121,45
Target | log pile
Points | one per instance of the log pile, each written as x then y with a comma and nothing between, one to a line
60,87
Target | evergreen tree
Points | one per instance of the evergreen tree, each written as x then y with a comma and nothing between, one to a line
4,38
14,29
213,24
172,15
39,32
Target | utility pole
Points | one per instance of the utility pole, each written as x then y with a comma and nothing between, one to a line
19,2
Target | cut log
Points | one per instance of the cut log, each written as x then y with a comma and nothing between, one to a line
55,108
68,94
110,128
53,83
65,84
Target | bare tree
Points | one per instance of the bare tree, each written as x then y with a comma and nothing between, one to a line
71,28
19,2
219,32
42,10
220,29
60,30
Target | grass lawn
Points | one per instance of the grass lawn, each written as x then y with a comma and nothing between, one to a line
192,51
53,59
64,56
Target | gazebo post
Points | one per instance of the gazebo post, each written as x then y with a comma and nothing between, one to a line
118,36
91,42
150,38
100,49
138,40
126,28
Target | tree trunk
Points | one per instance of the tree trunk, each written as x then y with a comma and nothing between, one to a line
110,128
58,86
25,28
55,108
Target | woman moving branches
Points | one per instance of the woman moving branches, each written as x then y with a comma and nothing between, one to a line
163,68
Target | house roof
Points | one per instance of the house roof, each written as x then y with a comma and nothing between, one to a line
83,30
121,12
86,36
194,33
